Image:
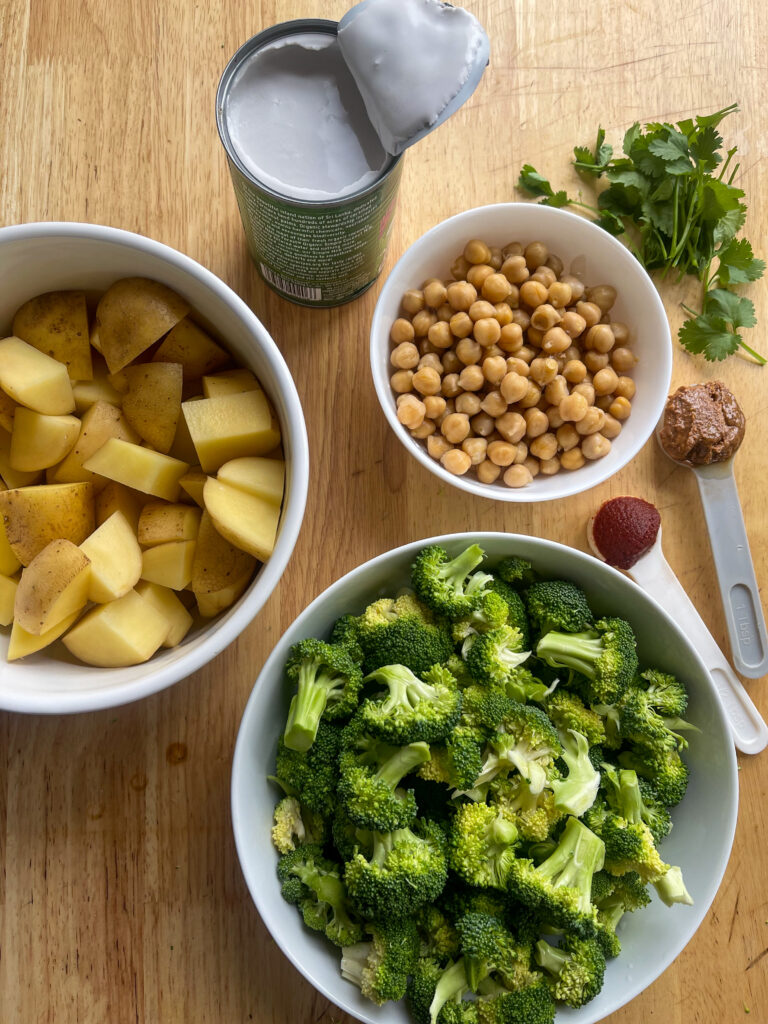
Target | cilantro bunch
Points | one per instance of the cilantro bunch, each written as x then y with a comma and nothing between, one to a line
671,196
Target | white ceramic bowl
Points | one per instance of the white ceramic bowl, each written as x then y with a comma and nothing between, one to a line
597,258
704,822
37,258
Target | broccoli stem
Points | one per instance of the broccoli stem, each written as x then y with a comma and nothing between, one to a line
404,760
307,707
579,854
551,958
577,651
630,798
452,985
354,960
457,569
671,888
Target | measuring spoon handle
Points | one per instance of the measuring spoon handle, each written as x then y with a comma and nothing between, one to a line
735,572
653,574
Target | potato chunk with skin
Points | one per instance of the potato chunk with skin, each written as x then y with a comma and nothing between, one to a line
133,314
39,441
34,516
220,571
115,497
57,323
13,477
246,520
53,587
193,483
169,564
7,411
127,631
230,382
115,558
99,423
98,389
21,643
152,402
140,468
231,426
189,345
160,523
167,604
8,589
34,379
264,477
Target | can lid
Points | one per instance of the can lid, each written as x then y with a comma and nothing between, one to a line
415,63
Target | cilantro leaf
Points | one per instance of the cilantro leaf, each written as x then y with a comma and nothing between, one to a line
704,148
738,265
736,309
709,336
537,185
593,162
670,145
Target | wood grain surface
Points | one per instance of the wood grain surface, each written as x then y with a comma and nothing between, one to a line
121,898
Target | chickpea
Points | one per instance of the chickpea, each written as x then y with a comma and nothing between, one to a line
603,295
487,331
534,337
494,369
605,381
611,427
544,369
577,286
533,293
450,387
545,316
559,294
422,432
596,361
567,436
483,424
411,413
526,353
623,359
620,332
596,446
451,362
468,403
401,330
556,390
554,417
511,337
522,451
477,275
531,397
548,467
469,351
625,387
433,360
461,325
573,407
401,381
425,346
586,390
573,324
503,313
512,249
496,257
517,365
456,461
591,421
536,255
572,459
494,404
589,312
488,472
413,301
439,335
555,341
511,426
437,446
422,321
545,275
444,312
434,406
476,251
455,427
461,295
434,294
520,317
600,338
515,270
475,447
536,422
459,268
620,408
471,378
518,476
494,350
502,453
496,287
513,387
574,371
481,308
405,356
544,446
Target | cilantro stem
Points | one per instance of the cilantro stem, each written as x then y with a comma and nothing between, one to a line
760,360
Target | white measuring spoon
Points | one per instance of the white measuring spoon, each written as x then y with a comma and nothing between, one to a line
652,572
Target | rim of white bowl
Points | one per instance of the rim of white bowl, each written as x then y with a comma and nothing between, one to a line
572,481
212,640
239,759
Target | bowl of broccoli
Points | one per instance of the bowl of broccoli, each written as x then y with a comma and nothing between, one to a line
483,779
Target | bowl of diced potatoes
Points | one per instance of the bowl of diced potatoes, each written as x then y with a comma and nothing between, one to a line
153,466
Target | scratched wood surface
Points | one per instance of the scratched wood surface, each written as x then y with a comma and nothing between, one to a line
121,898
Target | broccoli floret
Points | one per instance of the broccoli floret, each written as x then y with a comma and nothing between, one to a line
526,741
517,616
329,684
490,613
370,773
444,584
534,814
576,968
615,896
411,710
532,1004
438,936
312,776
577,791
483,709
314,883
633,798
665,769
665,694
345,633
458,669
639,722
516,572
348,837
629,846
402,631
431,986
605,656
380,965
457,762
404,871
522,685
488,946
567,711
561,885
481,845
294,825
671,888
495,654
557,605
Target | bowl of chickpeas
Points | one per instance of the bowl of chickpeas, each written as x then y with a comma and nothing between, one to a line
520,352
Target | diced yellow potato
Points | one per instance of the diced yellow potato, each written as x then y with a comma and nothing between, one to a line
167,604
53,587
231,426
34,379
249,522
230,382
34,516
140,468
99,389
95,340
152,402
13,477
127,631
160,523
57,323
132,315
21,643
115,497
189,345
261,476
39,441
220,571
169,564
7,409
99,423
9,563
8,589
115,558
193,483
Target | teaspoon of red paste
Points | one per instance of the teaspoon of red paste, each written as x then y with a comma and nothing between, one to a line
623,530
